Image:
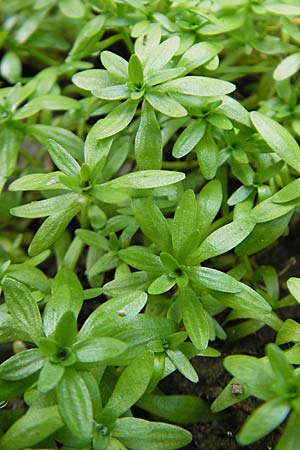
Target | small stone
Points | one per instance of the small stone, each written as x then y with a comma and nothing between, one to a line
236,389
122,312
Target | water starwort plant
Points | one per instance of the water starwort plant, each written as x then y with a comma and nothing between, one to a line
149,209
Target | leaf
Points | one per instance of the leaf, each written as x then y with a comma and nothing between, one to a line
98,350
291,434
253,372
199,54
142,434
290,192
145,179
263,235
152,223
37,182
213,279
129,387
135,70
189,138
72,8
209,202
161,284
194,318
50,376
128,283
92,79
165,104
66,296
115,64
185,409
224,239
54,102
48,206
51,230
141,258
32,428
22,307
283,10
75,405
21,365
148,141
264,420
159,56
11,67
116,120
278,139
62,136
184,222
267,211
63,159
113,314
282,369
287,67
183,365
199,86
87,37
10,142
208,155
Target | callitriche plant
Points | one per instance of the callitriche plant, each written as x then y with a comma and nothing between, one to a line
149,202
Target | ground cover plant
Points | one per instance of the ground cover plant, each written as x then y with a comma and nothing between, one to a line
149,209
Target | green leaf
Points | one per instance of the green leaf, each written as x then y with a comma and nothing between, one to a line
265,419
63,159
291,434
184,409
11,67
50,376
51,230
194,318
287,67
87,37
37,182
145,179
184,222
224,239
62,136
209,202
148,141
199,86
152,223
159,56
113,314
161,284
278,139
253,372
54,102
98,350
23,308
293,285
72,8
115,64
165,104
199,54
66,296
116,120
183,365
142,434
21,365
130,387
10,142
283,9
290,192
263,235
92,79
282,369
267,211
48,206
213,279
128,283
207,155
31,429
135,70
189,138
141,258
75,405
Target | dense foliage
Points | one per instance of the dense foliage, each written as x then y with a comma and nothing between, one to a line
157,141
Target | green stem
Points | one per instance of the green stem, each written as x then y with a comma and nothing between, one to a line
179,165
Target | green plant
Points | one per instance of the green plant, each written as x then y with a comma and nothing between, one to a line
158,142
